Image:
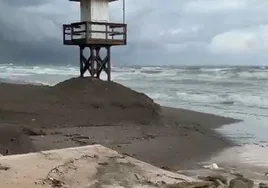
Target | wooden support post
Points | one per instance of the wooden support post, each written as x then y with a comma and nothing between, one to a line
94,63
81,61
109,62
98,65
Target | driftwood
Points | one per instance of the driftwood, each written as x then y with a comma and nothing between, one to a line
58,183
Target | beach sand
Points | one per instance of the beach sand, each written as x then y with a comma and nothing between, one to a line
91,166
81,112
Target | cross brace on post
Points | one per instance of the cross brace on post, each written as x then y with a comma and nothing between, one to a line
94,63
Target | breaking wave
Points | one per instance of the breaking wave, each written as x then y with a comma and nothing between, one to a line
248,84
225,99
170,73
209,74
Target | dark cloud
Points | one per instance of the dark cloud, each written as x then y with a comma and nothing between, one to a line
25,2
49,51
174,32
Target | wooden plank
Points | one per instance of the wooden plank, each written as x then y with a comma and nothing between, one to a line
110,24
94,41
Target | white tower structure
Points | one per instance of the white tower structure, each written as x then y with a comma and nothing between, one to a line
95,31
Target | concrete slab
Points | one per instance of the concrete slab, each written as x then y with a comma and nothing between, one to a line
89,166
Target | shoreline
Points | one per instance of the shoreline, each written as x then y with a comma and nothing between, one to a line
182,140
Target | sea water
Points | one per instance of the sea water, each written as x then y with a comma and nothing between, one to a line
237,92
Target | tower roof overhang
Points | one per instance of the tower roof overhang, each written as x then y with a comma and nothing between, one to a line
80,0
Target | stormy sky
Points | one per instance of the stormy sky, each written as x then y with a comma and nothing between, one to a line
171,32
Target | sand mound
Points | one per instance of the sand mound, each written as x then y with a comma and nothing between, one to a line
76,102
72,103
101,102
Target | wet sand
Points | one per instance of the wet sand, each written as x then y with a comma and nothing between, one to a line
82,112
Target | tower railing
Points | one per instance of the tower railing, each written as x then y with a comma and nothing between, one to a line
95,33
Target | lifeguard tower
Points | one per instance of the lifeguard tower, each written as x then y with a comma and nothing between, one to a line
95,32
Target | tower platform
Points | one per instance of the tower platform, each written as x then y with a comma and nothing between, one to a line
95,33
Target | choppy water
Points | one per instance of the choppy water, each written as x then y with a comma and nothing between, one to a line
238,92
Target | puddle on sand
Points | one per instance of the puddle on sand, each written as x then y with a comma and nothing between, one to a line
250,156
250,160
245,155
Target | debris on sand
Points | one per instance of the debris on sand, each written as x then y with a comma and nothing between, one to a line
263,185
33,132
241,182
213,166
217,179
3,167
